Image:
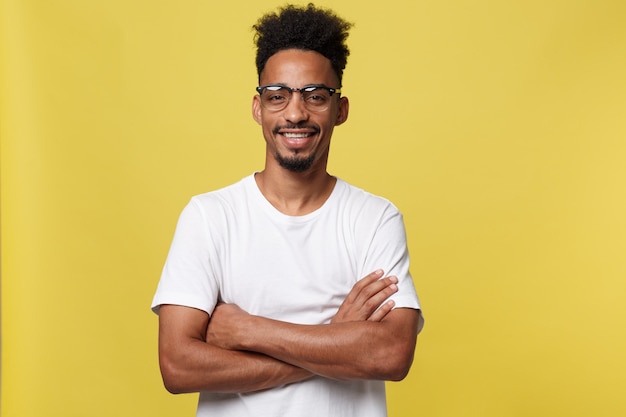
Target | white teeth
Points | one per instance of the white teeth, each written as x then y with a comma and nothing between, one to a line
296,135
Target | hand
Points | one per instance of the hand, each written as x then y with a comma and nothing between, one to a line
224,325
365,298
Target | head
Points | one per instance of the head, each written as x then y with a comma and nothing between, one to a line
300,47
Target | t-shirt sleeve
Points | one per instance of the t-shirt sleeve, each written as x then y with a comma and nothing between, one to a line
188,278
388,250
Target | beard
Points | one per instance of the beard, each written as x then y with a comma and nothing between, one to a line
295,163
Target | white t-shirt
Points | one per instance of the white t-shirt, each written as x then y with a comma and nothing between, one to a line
232,245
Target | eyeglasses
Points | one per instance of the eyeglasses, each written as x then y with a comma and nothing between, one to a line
275,97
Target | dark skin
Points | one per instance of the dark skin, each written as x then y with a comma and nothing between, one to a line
191,361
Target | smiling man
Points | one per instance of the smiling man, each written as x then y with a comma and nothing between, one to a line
289,292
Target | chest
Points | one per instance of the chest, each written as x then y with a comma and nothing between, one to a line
298,272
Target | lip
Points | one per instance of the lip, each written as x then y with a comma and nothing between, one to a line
296,139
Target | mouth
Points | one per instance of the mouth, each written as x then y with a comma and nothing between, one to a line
296,137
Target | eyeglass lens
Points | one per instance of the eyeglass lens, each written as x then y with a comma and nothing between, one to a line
277,97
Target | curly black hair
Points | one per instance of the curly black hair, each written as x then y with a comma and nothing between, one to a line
307,28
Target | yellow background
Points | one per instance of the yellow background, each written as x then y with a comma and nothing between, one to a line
497,127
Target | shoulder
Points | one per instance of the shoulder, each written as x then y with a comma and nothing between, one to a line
224,198
217,207
364,202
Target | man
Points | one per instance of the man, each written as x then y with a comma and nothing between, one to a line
260,304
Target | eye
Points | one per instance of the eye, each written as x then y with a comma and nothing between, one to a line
316,96
275,94
275,98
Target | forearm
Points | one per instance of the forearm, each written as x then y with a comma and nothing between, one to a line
190,364
202,367
354,350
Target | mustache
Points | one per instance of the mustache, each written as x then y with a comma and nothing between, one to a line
314,128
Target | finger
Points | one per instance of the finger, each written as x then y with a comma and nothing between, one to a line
370,305
375,288
363,283
382,312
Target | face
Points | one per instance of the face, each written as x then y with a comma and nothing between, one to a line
298,139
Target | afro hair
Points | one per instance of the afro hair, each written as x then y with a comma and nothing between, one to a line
307,28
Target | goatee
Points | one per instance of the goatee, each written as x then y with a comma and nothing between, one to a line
295,163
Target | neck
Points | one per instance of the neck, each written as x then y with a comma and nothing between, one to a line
295,193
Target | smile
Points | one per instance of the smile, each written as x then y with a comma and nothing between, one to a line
292,135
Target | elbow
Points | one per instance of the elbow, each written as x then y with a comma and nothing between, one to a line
397,357
399,368
172,386
173,378
390,370
172,389
170,382
398,373
394,364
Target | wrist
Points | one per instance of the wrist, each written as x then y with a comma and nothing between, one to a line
247,330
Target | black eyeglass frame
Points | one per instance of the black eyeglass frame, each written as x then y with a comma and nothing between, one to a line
305,89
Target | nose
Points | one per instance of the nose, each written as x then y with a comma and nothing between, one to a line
295,111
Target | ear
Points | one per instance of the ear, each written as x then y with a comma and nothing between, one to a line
342,113
256,109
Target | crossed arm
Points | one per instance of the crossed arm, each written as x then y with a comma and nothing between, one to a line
233,351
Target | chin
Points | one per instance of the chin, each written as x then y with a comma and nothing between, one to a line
296,163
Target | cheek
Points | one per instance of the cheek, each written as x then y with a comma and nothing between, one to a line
329,123
268,133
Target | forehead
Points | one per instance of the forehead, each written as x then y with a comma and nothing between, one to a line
297,68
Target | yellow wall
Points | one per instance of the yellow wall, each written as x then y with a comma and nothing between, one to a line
498,128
